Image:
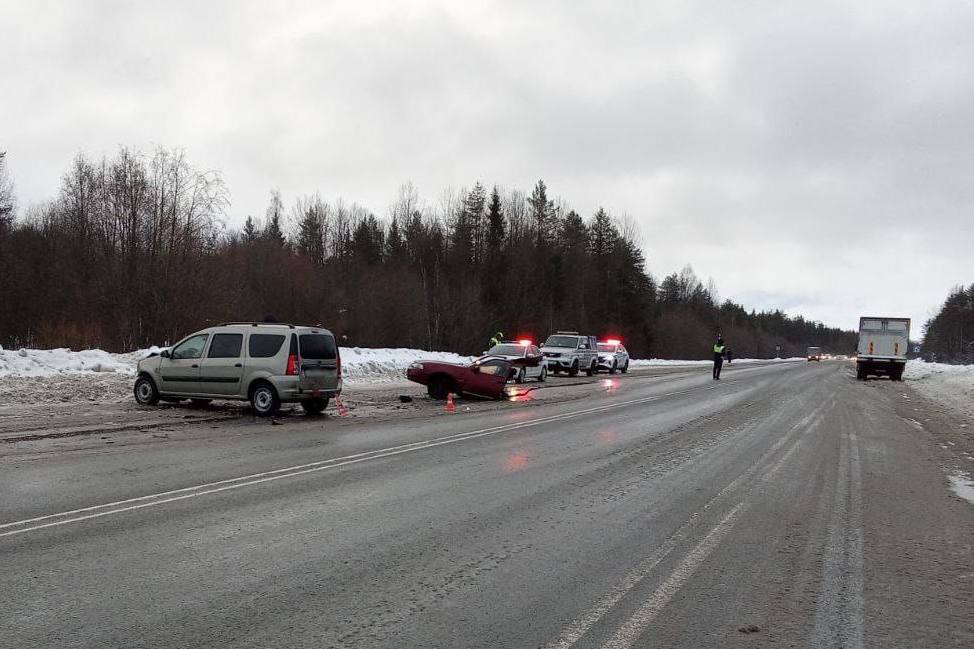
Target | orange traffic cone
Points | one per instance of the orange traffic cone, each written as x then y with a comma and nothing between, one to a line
342,408
450,406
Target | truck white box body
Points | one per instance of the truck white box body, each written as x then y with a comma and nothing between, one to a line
883,344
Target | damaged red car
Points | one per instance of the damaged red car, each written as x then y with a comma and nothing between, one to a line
485,377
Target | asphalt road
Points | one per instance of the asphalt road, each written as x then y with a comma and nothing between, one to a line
785,506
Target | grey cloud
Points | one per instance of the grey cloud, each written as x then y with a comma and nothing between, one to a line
791,151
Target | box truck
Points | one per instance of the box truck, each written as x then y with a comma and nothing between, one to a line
883,343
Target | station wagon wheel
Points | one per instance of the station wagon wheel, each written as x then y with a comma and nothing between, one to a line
315,406
264,400
146,393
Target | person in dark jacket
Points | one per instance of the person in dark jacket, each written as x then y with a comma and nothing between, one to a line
719,348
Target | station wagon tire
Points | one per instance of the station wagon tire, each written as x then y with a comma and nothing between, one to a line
146,393
439,387
574,369
519,377
315,406
264,399
543,375
200,403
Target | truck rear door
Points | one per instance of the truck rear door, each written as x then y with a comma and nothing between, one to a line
884,337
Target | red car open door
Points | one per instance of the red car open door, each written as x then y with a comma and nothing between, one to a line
488,378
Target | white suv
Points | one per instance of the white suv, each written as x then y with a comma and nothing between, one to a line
266,364
570,352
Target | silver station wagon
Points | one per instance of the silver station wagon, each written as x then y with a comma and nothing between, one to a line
266,364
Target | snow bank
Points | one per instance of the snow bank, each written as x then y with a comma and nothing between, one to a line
49,362
961,484
951,385
358,364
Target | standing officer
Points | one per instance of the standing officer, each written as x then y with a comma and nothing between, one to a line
718,357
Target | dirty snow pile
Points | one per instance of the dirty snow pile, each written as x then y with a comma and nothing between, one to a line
361,364
358,364
952,385
48,362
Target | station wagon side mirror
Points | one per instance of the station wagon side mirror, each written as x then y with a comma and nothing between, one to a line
165,353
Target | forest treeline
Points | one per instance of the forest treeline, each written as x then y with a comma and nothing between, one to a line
949,335
134,250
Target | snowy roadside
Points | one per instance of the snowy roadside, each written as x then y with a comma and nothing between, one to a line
32,376
950,385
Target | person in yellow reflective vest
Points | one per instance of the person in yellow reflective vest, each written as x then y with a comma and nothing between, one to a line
496,339
719,348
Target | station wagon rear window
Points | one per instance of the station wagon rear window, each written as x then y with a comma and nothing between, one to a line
318,347
264,345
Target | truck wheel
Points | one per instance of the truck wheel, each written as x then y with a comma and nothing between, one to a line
860,374
264,399
574,369
146,393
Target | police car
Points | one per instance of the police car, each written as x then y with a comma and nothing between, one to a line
525,357
613,356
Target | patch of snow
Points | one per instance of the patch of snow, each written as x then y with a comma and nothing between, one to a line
962,485
366,365
951,385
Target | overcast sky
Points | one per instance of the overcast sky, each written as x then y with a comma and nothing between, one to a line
815,157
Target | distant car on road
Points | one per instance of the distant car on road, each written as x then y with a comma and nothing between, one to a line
266,364
485,377
570,352
613,356
814,354
525,356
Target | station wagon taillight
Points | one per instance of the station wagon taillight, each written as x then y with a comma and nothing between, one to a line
292,365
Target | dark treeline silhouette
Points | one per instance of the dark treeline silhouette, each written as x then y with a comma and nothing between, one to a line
949,335
133,251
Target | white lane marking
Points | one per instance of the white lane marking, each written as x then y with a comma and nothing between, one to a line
579,627
627,634
174,495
